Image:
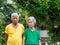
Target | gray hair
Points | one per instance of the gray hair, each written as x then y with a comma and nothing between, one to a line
31,18
14,14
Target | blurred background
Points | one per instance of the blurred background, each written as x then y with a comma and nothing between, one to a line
46,12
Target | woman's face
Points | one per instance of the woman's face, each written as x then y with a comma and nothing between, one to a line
14,19
30,23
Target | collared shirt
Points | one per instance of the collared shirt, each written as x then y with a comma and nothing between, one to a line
31,37
14,34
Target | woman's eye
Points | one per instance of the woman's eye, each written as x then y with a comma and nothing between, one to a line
30,22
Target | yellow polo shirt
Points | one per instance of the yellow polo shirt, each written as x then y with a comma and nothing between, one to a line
14,34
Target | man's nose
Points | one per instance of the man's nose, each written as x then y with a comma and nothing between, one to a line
14,19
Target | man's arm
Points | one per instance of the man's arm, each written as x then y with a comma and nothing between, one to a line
6,37
23,40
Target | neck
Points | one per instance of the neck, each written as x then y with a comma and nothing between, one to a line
15,24
32,28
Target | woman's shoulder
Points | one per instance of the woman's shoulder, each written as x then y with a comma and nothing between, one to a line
26,29
36,30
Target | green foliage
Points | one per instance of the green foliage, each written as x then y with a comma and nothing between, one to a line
5,13
2,24
47,12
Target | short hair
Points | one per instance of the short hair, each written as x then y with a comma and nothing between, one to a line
14,14
31,18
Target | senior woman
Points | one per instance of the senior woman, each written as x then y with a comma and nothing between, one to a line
31,35
14,31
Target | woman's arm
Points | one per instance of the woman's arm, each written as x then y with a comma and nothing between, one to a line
39,42
6,36
23,40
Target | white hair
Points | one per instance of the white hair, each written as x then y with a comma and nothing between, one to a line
31,18
14,14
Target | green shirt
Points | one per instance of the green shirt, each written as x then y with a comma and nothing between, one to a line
31,37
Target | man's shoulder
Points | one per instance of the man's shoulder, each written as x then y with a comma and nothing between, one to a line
21,24
8,25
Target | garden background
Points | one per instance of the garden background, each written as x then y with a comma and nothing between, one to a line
46,12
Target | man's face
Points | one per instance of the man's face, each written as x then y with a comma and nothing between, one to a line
15,19
30,23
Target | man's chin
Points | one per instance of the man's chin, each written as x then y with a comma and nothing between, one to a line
15,23
31,26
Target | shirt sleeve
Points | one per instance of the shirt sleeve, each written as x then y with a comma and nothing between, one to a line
25,33
38,35
22,28
6,30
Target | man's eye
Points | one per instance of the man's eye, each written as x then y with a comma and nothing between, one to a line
30,22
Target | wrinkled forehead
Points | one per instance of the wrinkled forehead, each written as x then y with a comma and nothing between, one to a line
14,16
30,21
